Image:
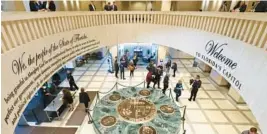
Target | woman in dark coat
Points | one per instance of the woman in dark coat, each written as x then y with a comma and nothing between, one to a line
67,99
165,83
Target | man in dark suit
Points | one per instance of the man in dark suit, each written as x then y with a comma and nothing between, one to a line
71,81
261,6
49,5
84,98
114,7
196,84
122,71
92,6
116,67
108,7
33,6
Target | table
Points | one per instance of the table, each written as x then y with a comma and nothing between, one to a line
56,104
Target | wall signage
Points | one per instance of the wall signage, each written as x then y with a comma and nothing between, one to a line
33,68
214,56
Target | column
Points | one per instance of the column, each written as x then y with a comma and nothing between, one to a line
162,51
233,93
203,66
166,5
217,78
12,6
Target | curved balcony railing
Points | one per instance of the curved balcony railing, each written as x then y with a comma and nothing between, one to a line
18,28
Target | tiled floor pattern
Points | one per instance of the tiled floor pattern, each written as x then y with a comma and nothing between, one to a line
212,113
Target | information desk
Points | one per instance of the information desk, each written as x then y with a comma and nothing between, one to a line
136,111
56,104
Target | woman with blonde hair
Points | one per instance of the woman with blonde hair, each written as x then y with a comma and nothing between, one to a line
67,99
178,89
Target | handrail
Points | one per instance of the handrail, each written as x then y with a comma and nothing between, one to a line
19,28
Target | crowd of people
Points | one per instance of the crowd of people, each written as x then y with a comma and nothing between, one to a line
155,73
36,5
107,7
241,6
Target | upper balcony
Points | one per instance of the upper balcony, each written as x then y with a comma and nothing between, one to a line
19,28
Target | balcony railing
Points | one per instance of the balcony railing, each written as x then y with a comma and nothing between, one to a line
18,28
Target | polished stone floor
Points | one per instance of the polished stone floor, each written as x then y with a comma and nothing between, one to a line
213,112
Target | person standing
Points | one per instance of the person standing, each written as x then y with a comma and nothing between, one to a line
84,98
91,6
148,78
131,67
168,66
174,67
252,130
67,99
114,7
223,7
49,5
261,6
116,67
122,71
71,81
46,96
135,59
34,6
157,78
178,89
107,7
196,84
165,83
243,7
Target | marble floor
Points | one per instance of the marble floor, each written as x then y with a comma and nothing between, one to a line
213,112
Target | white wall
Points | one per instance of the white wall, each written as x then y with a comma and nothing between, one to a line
251,69
8,6
138,5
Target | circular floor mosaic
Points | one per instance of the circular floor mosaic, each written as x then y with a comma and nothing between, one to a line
114,97
108,121
167,109
144,92
147,130
136,111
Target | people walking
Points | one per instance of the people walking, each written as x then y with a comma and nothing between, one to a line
178,89
131,67
84,98
149,78
165,83
156,80
196,84
71,81
174,67
122,71
116,67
